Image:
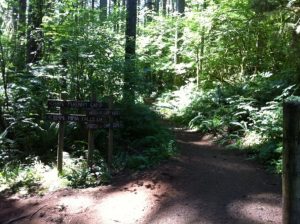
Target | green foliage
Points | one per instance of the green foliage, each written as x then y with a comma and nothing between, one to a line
152,156
146,140
238,115
17,177
79,175
36,177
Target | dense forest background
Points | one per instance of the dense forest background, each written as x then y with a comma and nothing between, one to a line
220,67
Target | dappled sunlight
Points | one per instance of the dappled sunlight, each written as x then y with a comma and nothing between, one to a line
179,213
51,181
260,208
251,139
128,206
233,166
75,204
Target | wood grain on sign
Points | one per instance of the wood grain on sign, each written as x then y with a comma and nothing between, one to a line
104,125
77,104
103,112
73,117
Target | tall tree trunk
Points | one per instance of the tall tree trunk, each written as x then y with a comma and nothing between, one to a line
103,8
130,45
164,7
172,3
157,6
34,33
117,9
178,34
149,5
21,35
180,6
202,47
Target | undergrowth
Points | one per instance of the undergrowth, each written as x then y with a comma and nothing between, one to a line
246,115
141,143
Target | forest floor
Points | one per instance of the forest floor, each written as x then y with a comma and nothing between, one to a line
203,184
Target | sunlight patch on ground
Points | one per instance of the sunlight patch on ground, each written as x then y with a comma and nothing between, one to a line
261,208
125,207
233,166
75,204
179,213
51,180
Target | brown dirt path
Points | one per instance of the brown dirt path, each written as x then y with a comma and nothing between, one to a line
205,184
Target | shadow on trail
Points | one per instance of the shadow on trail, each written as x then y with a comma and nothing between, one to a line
204,184
216,186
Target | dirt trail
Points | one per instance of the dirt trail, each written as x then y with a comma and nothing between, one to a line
205,184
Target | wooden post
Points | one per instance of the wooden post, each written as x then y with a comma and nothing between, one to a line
291,162
91,141
110,133
91,146
61,135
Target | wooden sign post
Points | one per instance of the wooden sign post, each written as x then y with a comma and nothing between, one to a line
110,134
98,115
91,141
61,134
291,162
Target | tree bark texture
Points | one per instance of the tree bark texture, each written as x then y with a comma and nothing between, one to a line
291,162
130,46
34,33
103,8
178,35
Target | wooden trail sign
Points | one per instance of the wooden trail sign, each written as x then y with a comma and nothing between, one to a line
74,117
110,125
77,104
103,112
97,115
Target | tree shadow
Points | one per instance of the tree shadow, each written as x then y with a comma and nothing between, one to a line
217,186
204,184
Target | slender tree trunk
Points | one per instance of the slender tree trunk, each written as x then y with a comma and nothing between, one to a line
3,73
130,46
3,124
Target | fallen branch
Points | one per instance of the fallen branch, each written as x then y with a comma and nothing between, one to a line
24,216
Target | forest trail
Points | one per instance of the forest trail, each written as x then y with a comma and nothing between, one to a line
204,184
